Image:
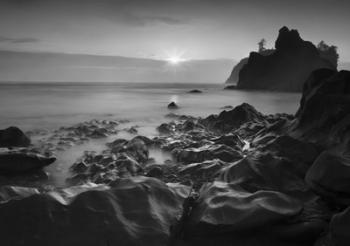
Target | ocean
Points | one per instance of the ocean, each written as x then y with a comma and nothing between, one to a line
49,106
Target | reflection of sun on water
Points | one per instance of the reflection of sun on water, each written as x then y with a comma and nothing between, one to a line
174,98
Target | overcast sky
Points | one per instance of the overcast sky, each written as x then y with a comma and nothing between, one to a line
197,29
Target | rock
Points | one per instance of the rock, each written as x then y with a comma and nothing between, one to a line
16,192
287,68
155,171
226,208
173,105
339,229
137,211
166,128
323,115
205,171
329,176
207,152
291,148
234,77
17,162
13,137
195,91
230,87
233,119
263,171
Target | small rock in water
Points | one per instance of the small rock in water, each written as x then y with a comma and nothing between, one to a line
173,105
195,91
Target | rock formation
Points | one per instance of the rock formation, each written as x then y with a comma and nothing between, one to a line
13,137
286,69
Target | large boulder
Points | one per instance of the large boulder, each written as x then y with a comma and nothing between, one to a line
232,119
287,68
18,162
13,137
136,211
264,171
339,229
323,115
329,176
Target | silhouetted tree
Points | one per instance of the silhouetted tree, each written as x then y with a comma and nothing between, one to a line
262,44
328,52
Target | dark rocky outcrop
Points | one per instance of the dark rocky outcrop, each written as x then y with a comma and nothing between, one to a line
323,115
17,161
173,105
286,69
135,211
195,91
13,137
329,177
229,120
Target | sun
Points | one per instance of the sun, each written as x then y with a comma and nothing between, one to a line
174,57
174,60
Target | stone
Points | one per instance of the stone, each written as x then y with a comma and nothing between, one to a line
135,211
329,176
13,137
17,162
173,105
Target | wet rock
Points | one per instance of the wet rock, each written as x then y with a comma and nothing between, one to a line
323,115
291,148
339,229
16,161
233,119
230,87
226,208
202,172
195,91
155,171
166,128
329,176
16,192
173,105
231,140
207,152
264,171
137,211
13,137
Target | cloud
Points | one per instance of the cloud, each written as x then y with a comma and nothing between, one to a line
18,40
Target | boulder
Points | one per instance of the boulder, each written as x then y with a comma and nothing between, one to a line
264,171
329,176
173,105
291,148
207,152
323,115
195,91
233,119
339,229
13,137
226,208
286,68
17,162
135,211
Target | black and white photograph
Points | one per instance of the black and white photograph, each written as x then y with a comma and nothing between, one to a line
174,123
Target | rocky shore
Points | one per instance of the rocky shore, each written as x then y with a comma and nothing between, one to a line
236,178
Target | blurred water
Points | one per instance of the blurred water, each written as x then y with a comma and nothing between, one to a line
51,105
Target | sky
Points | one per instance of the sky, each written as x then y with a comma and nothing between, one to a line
159,29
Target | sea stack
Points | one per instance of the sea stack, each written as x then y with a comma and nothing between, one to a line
285,69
